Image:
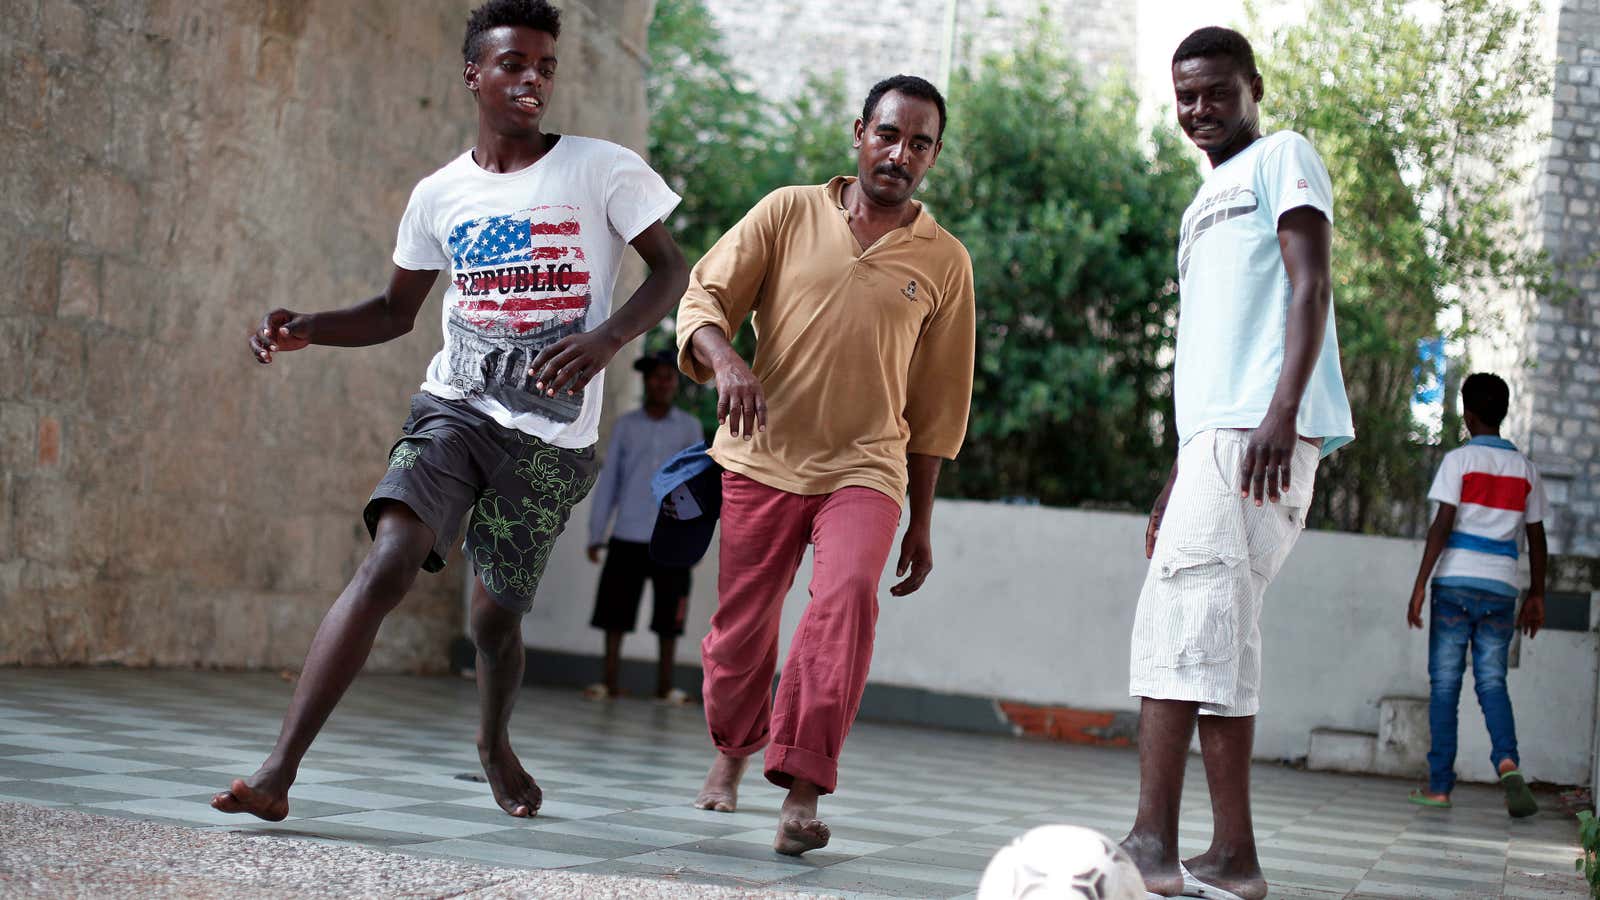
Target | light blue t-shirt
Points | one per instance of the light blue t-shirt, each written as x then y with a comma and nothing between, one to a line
639,445
1234,296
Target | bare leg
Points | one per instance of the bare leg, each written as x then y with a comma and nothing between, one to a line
799,829
613,663
1230,863
669,656
339,650
721,790
1165,729
498,633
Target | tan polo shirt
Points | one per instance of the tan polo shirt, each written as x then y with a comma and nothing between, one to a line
864,356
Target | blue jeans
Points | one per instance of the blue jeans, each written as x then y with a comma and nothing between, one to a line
1487,621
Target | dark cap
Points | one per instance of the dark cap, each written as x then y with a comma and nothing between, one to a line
688,490
649,362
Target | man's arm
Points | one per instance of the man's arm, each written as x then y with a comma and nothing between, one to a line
916,549
572,362
740,401
382,318
1444,522
1532,616
1152,529
1305,238
722,292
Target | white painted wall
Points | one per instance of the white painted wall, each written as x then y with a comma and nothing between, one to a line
1036,604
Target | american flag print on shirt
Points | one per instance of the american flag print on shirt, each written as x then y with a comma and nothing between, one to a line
521,284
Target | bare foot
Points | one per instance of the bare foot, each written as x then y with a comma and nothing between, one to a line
796,836
1241,878
799,829
260,801
721,790
1156,862
514,789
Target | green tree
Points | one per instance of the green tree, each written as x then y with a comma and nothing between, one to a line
1070,212
1419,123
723,147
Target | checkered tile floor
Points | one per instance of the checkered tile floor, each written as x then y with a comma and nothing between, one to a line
917,814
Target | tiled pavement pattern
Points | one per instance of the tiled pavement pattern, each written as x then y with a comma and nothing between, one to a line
917,815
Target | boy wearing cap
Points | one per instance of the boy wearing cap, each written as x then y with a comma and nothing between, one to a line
641,441
863,311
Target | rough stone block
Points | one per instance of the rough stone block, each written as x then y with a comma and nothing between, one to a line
80,287
48,443
56,372
64,29
105,212
18,428
26,88
33,270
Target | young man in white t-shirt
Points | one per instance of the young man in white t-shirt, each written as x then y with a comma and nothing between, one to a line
532,228
1259,400
1489,494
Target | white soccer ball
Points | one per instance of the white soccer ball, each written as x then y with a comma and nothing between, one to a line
1061,862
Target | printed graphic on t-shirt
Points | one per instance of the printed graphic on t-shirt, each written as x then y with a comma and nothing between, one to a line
1229,203
523,284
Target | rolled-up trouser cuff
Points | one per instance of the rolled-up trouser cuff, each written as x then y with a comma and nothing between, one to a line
785,764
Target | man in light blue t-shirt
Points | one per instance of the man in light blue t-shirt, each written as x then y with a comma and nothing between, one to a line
1259,400
641,442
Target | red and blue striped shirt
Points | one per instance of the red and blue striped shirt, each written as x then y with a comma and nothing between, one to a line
1497,493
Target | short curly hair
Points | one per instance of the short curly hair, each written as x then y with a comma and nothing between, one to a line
1214,41
536,14
1486,396
911,86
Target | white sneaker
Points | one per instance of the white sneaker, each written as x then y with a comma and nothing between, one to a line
597,692
674,697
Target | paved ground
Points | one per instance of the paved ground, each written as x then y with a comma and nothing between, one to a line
917,815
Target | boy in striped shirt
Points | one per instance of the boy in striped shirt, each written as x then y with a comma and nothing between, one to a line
1488,493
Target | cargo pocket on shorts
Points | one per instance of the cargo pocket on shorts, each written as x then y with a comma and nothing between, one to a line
1201,586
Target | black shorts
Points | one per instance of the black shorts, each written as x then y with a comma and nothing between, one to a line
616,603
519,489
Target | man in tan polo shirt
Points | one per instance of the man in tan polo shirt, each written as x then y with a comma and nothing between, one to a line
863,312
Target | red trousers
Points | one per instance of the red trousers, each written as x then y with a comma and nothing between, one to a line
764,535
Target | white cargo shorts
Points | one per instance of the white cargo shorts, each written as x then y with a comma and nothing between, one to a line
1197,631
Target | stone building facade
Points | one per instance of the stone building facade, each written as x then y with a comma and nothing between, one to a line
174,169
1548,350
780,44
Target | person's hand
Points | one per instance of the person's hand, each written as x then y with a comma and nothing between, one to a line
572,362
740,401
1265,471
594,553
279,331
916,557
1414,609
1531,619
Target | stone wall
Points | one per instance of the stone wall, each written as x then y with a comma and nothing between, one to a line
175,168
1547,350
867,40
1564,384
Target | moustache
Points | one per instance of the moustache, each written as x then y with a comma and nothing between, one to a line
893,171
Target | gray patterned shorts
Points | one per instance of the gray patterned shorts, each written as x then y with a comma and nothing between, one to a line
519,490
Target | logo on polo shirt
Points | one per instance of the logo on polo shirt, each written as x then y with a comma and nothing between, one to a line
910,290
